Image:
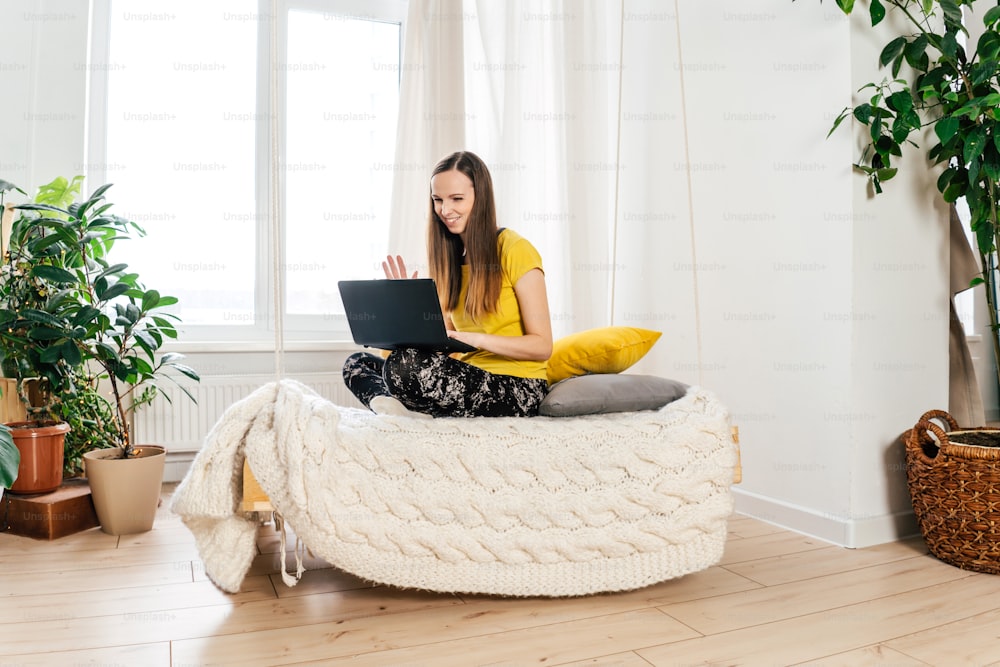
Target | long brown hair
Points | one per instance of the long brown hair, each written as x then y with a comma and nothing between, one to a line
444,249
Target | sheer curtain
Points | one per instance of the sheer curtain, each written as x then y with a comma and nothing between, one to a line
533,88
431,118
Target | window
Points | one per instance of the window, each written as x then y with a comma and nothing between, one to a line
194,103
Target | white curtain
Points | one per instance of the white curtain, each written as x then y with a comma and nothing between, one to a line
431,118
532,87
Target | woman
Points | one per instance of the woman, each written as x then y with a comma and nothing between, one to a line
492,290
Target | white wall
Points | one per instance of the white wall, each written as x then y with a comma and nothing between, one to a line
817,313
900,346
43,79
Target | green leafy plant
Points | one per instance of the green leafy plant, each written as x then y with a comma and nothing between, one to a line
10,458
92,320
25,299
938,78
91,421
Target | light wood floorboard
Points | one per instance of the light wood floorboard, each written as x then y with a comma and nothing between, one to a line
775,598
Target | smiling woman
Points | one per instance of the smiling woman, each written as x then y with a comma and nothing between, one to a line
491,287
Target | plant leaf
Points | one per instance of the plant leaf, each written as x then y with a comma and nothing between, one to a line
106,351
146,342
71,353
837,122
989,45
115,268
974,144
40,317
886,174
863,112
6,186
150,299
952,12
53,273
991,16
86,314
877,12
946,128
891,51
187,371
10,456
44,333
113,291
41,207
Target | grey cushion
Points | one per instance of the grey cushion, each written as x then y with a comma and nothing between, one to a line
609,392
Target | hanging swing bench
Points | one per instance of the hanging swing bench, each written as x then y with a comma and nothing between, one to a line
542,506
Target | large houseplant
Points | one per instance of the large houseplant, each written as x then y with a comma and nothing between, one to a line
99,324
25,296
61,390
938,78
40,438
944,78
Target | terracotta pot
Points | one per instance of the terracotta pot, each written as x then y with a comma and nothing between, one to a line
41,447
126,492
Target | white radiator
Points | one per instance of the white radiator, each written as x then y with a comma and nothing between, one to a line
181,425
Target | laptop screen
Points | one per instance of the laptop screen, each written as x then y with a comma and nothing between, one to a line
393,314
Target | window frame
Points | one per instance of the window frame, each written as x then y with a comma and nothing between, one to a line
300,331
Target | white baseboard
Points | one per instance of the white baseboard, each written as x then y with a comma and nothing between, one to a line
854,533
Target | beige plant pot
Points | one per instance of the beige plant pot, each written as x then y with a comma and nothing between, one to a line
126,492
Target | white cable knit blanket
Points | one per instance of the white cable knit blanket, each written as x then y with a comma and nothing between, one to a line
511,506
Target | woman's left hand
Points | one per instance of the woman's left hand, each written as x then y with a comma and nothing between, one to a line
395,268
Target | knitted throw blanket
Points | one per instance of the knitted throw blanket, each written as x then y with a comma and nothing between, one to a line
511,506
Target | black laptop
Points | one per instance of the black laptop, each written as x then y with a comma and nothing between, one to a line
393,314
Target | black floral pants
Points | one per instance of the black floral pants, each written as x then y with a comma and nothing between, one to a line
440,386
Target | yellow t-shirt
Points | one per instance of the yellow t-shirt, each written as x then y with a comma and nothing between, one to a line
517,257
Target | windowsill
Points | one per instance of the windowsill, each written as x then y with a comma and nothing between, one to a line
242,346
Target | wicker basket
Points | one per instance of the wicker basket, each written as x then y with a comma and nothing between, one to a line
954,482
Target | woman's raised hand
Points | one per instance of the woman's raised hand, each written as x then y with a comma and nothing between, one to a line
395,268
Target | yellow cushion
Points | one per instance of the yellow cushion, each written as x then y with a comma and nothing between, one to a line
601,350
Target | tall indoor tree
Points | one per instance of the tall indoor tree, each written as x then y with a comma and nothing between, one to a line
938,77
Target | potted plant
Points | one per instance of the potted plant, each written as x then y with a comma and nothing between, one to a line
101,318
69,392
942,78
24,298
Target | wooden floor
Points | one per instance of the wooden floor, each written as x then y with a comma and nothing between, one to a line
777,598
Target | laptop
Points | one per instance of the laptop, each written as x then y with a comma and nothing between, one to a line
392,314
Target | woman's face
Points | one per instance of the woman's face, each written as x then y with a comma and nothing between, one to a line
453,195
